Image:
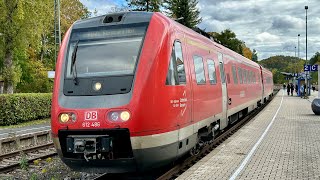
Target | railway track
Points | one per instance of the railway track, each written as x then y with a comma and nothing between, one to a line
27,147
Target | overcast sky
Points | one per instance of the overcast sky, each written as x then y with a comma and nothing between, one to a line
269,26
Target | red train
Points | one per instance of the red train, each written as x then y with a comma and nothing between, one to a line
136,90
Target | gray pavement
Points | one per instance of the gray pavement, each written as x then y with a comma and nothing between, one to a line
5,132
283,145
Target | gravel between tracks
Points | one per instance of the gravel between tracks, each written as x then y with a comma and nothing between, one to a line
47,169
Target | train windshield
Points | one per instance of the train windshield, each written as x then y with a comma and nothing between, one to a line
105,51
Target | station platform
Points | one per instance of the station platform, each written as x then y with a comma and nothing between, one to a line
281,142
7,132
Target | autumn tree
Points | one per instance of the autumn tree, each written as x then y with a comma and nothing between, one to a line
246,52
16,18
185,11
26,37
144,5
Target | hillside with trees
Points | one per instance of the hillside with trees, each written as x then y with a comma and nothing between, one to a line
280,63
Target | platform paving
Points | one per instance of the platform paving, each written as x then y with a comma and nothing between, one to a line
6,132
290,149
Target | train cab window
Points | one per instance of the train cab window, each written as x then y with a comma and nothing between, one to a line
176,74
234,74
240,75
198,69
212,72
254,78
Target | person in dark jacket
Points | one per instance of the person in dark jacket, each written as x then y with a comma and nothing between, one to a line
292,89
288,89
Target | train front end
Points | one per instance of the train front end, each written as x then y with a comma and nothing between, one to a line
92,105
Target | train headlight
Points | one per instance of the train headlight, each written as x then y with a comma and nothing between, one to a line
125,115
119,116
66,117
114,116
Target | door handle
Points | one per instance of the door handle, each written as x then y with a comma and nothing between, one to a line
229,101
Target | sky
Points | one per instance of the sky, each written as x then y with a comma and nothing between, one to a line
271,27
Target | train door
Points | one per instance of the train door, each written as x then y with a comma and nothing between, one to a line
185,97
223,120
262,85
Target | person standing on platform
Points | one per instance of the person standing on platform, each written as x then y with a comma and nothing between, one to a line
301,90
297,89
291,88
288,89
284,86
313,87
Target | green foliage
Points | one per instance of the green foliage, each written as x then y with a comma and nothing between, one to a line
34,176
185,9
278,64
27,40
144,5
16,108
23,161
254,56
228,39
315,59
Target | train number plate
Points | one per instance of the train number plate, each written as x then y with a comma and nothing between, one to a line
91,124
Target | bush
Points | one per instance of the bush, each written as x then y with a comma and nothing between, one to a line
17,108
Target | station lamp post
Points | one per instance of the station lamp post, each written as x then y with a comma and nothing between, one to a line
298,45
308,89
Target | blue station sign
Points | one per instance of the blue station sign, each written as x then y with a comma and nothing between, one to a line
311,67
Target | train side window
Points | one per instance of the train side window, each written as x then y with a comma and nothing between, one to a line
234,74
199,70
212,71
244,75
252,77
240,75
228,78
176,74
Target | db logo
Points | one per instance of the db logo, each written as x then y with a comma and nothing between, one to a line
91,115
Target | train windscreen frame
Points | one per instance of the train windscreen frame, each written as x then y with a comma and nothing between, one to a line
107,54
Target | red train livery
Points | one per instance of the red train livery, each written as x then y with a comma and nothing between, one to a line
135,91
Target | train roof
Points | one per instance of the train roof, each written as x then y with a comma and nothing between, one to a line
205,39
114,19
140,17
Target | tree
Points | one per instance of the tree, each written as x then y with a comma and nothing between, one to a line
15,17
246,52
144,5
315,59
228,39
184,9
254,56
27,36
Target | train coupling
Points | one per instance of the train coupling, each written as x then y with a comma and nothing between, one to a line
88,144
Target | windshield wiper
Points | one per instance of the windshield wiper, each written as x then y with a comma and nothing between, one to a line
73,64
